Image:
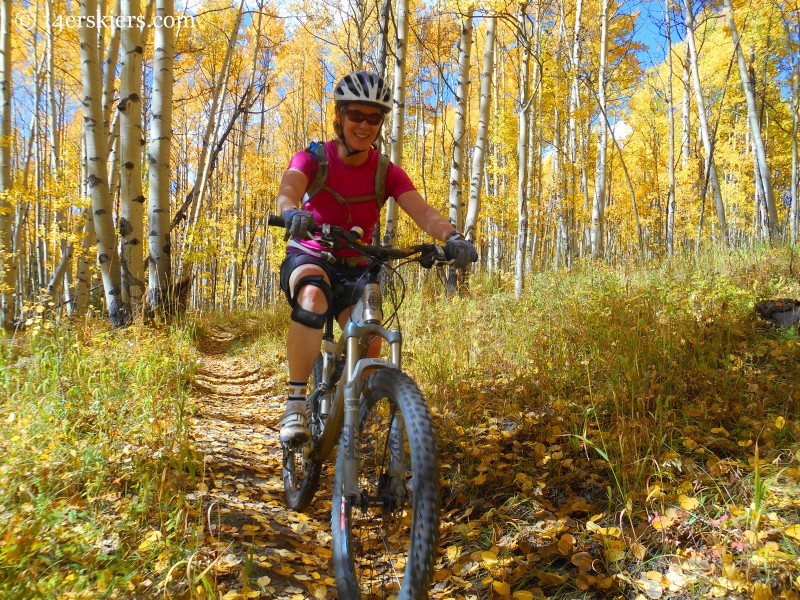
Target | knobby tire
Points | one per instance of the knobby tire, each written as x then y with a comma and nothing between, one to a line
384,542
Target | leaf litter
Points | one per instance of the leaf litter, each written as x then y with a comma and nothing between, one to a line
530,505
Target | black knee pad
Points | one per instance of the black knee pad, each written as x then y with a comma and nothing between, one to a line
307,317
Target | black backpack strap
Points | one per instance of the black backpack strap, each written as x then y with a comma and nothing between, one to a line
317,150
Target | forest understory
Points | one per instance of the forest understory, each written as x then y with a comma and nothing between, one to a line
617,433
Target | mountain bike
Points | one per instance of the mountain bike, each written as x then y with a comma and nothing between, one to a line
385,513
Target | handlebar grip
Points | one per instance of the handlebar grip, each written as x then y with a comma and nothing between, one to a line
276,221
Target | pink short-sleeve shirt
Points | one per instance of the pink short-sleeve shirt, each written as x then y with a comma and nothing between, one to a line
349,182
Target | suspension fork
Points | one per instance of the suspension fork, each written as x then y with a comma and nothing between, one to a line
355,373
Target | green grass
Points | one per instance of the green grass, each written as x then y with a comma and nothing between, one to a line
94,456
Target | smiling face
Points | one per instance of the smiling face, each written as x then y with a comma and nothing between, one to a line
360,135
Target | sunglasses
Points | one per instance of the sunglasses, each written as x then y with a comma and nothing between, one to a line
356,116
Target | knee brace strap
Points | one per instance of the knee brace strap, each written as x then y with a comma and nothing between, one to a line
307,317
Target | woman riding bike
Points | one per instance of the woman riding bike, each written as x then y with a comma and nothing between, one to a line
316,282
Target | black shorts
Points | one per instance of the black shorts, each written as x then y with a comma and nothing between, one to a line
346,282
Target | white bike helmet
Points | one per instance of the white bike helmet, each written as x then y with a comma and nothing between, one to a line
363,87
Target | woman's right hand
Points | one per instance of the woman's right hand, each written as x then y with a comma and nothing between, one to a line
298,222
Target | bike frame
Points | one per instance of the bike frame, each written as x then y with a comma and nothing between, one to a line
345,410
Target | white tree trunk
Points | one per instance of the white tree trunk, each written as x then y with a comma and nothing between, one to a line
398,113
97,180
705,133
670,233
7,262
598,203
522,157
686,137
131,197
456,195
795,125
755,129
482,137
159,265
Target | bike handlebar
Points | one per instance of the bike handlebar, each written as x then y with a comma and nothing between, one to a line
427,255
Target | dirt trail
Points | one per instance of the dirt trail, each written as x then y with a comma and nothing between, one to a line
249,533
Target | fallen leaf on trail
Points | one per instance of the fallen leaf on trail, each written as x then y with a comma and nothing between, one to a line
501,587
793,531
615,550
566,543
151,538
522,595
688,503
582,560
655,493
761,591
263,581
652,588
604,531
550,578
453,553
489,558
638,550
780,422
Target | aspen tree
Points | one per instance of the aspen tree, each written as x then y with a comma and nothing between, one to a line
670,233
795,124
598,202
131,196
482,137
459,133
107,256
705,133
159,158
398,112
522,149
7,273
762,170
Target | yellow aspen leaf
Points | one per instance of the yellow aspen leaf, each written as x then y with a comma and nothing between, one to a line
615,550
550,579
489,558
655,493
453,553
761,591
566,543
522,595
320,592
793,531
653,589
780,422
582,560
502,588
263,581
151,538
661,522
638,550
687,503
480,480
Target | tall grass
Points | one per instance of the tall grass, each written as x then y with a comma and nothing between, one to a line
93,457
624,358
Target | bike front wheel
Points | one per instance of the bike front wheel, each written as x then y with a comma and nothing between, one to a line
384,540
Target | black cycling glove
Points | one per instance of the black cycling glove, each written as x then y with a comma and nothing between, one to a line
460,251
298,222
